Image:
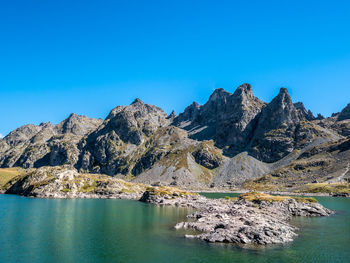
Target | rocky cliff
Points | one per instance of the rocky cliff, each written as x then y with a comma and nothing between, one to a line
232,138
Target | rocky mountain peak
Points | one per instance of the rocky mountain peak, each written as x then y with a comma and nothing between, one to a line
172,115
307,114
244,92
283,97
218,95
137,101
273,136
281,108
21,134
77,124
345,113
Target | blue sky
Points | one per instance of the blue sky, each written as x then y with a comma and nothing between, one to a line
58,57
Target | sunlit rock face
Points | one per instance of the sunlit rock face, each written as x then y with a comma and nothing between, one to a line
233,137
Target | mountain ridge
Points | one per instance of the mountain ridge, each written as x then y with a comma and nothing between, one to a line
203,146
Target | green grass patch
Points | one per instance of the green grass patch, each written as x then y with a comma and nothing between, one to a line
258,197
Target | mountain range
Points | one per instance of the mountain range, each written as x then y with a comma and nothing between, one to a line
231,140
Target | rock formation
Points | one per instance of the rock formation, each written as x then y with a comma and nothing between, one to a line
232,138
253,218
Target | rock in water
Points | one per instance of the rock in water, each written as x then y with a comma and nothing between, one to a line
251,219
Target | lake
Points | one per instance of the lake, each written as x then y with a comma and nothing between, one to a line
99,230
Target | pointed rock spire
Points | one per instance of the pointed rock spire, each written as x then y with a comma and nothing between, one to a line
172,115
274,134
244,92
137,101
218,95
303,113
281,109
345,113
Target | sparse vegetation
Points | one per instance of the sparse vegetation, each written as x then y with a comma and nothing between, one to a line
163,190
258,197
336,188
230,198
264,183
87,188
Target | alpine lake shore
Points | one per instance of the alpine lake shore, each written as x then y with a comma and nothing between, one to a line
253,217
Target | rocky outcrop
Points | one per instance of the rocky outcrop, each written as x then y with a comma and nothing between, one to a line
251,219
208,156
46,144
171,116
345,113
66,182
78,125
274,135
121,136
226,118
303,113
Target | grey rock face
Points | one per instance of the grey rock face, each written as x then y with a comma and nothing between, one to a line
226,118
207,158
345,113
126,128
171,116
274,135
21,134
303,113
46,144
77,125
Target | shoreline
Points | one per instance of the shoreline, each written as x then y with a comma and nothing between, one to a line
253,218
133,197
243,191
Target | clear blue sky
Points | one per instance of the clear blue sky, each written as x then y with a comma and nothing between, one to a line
58,57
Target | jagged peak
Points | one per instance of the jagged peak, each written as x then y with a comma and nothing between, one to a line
307,114
194,105
284,90
218,94
345,113
137,101
281,109
73,115
283,98
244,91
299,105
319,116
45,124
172,115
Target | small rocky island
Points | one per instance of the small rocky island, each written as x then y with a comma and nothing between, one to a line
252,218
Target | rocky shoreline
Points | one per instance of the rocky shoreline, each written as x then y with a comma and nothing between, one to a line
252,218
241,191
227,220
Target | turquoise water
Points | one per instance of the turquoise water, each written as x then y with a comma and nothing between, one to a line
94,230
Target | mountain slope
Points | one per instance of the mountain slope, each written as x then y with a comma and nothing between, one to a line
232,138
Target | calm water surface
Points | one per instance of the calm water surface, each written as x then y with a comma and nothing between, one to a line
94,230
